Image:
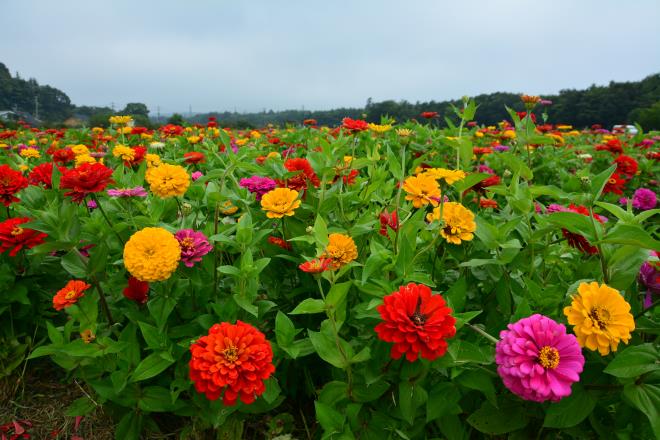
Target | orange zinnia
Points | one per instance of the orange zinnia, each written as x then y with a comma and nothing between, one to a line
69,294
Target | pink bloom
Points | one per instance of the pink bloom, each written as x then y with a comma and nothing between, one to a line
644,199
138,191
258,185
196,175
194,245
537,360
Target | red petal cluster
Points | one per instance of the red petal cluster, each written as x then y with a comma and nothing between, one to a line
194,157
299,181
14,237
231,358
388,219
85,179
626,165
11,182
354,124
416,321
42,174
137,290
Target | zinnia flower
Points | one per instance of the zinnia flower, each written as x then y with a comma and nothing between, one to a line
614,184
235,359
13,237
11,182
449,176
537,360
354,124
194,245
416,321
649,278
168,180
626,165
600,317
341,250
69,294
317,265
457,222
85,179
152,254
422,190
306,173
388,219
258,185
138,191
429,115
136,290
279,242
280,202
42,174
644,199
193,157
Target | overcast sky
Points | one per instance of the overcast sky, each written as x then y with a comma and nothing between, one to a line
250,55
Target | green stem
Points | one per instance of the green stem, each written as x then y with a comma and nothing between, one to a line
482,333
649,308
107,220
603,264
398,196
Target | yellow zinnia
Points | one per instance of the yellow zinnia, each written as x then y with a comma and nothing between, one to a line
280,202
341,250
600,317
168,180
120,120
126,153
152,254
79,149
450,176
30,153
422,190
458,222
84,158
153,160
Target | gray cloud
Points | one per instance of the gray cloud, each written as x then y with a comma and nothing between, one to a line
221,55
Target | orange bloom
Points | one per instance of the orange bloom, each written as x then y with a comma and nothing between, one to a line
69,294
317,265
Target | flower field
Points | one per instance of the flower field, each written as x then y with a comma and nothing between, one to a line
419,279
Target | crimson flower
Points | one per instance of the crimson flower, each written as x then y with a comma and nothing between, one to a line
193,157
299,181
317,265
235,359
137,290
42,174
614,184
388,219
354,124
626,165
85,179
429,115
415,321
279,242
13,237
63,155
11,182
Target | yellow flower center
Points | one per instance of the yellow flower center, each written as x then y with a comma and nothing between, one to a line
612,181
17,230
230,353
71,294
187,242
549,357
600,316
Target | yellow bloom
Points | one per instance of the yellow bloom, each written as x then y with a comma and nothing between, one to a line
280,202
125,130
255,134
404,132
564,127
379,128
241,142
228,208
458,222
153,160
79,149
273,155
120,120
422,190
3,145
450,176
84,158
23,167
479,134
168,180
126,153
30,153
600,317
98,130
152,254
32,142
341,250
509,134
194,139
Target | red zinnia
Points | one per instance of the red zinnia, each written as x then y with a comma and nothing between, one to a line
523,115
614,184
137,290
194,157
139,151
488,203
317,265
171,130
231,358
388,219
11,182
416,321
14,237
626,165
85,179
43,175
429,115
299,181
69,294
277,241
63,155
354,124
310,122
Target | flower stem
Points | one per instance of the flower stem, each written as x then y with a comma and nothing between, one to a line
482,333
649,308
107,220
603,264
398,196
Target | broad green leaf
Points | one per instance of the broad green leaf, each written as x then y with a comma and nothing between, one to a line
490,420
309,305
634,361
571,410
150,366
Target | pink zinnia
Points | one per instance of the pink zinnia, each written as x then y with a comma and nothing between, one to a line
138,191
537,360
194,245
258,185
644,199
196,175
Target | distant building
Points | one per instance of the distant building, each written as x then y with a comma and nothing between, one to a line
15,116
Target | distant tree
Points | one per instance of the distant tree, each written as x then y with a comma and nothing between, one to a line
135,108
648,118
176,119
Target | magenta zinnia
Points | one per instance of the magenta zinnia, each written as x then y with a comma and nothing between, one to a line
537,360
194,245
258,185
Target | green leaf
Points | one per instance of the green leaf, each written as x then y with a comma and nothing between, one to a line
629,234
330,420
462,318
81,406
646,398
160,308
634,361
150,366
571,410
129,427
411,397
54,334
75,264
443,400
599,181
320,231
285,331
574,222
154,338
490,420
481,381
327,349
155,399
309,305
455,296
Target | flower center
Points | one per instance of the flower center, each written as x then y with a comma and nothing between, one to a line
612,181
230,353
188,243
418,318
548,357
70,294
17,230
600,317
